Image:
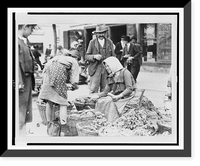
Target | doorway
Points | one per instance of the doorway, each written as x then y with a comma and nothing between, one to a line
116,32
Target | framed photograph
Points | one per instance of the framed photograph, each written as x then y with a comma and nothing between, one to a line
151,45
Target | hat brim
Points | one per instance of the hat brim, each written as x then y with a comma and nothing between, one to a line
100,31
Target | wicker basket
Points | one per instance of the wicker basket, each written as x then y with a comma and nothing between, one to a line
42,110
73,119
91,105
85,129
79,106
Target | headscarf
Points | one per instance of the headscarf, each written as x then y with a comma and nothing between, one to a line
70,63
114,65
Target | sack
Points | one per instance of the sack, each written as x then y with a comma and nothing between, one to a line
54,128
106,106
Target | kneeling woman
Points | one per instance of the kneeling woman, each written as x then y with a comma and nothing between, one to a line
54,88
120,89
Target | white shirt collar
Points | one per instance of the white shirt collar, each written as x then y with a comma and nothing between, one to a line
123,44
23,38
101,42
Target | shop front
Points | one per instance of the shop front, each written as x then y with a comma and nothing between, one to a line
155,40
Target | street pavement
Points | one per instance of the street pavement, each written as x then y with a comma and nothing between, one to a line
155,85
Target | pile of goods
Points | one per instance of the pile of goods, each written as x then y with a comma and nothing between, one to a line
79,116
140,121
84,103
91,128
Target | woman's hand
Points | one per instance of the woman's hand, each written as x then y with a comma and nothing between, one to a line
116,97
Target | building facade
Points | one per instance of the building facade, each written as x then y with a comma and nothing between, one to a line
155,39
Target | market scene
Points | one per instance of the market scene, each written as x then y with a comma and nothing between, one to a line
95,80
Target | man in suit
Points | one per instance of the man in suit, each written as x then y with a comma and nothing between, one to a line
130,57
138,56
119,48
98,50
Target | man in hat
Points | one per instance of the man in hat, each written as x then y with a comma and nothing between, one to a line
130,57
26,76
98,50
138,57
119,48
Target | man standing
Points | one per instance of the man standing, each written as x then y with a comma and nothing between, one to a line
119,48
138,56
130,57
26,77
98,50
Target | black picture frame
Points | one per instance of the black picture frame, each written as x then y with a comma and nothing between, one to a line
188,115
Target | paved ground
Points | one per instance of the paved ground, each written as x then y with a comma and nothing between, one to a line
153,83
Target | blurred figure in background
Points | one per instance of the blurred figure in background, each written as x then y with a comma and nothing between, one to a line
130,56
37,56
137,57
119,48
47,53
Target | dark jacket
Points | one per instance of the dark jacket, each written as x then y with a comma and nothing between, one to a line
95,48
26,63
134,51
118,51
36,54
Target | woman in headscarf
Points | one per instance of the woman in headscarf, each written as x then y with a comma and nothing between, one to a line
54,89
119,90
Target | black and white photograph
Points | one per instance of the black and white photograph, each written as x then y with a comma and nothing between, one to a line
96,79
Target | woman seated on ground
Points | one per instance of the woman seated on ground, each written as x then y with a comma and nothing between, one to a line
54,87
120,89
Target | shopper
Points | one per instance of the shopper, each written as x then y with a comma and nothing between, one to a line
54,88
119,48
26,77
120,89
130,57
37,56
48,53
98,50
138,56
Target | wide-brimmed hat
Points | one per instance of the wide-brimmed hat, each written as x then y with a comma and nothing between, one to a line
101,28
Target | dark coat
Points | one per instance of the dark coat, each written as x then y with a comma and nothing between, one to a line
134,51
118,51
27,81
93,49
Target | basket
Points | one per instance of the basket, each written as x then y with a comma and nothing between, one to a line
85,129
91,105
73,119
42,110
79,106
